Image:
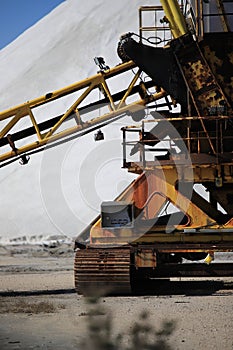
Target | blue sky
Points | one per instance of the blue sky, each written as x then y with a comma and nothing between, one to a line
18,15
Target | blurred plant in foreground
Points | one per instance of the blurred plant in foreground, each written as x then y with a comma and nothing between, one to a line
142,335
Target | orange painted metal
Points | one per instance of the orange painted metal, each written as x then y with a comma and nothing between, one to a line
145,258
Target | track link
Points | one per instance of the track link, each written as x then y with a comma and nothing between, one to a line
101,271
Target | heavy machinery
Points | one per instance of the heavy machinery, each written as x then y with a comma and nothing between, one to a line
161,222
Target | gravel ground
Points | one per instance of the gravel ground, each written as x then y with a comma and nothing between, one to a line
199,314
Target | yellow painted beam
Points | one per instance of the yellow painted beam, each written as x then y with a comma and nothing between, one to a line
175,17
52,136
51,96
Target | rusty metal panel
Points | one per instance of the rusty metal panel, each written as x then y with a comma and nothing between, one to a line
207,94
218,51
145,258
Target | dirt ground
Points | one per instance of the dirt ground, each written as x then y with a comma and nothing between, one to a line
40,309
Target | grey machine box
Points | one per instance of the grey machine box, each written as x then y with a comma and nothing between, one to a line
117,214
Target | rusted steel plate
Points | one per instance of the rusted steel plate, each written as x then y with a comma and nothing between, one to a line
145,258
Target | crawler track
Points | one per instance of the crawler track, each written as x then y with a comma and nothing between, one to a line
104,270
111,271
